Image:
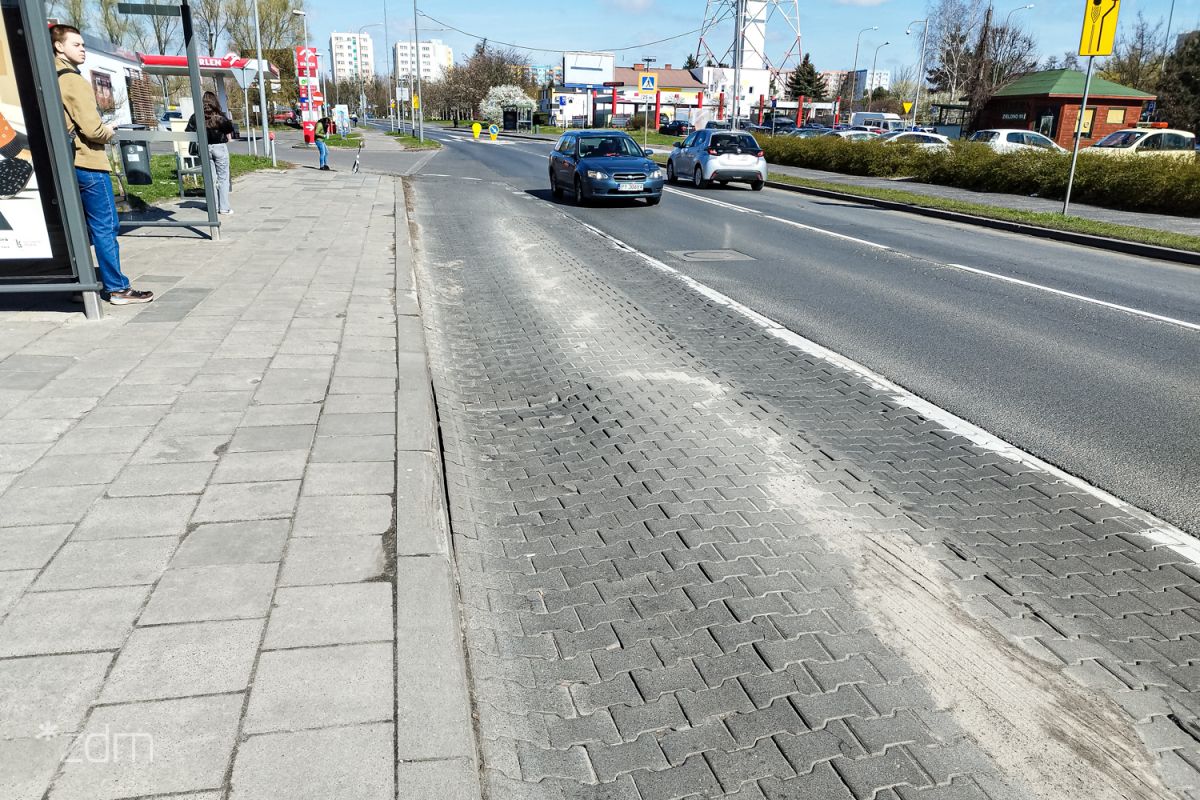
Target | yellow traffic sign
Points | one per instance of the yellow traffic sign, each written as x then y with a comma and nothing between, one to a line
648,82
416,103
907,106
1099,27
476,129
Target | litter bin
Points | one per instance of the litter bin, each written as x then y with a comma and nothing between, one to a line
135,161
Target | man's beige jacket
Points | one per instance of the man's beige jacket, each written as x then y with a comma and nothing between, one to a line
79,104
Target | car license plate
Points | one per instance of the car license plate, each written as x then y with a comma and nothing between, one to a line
630,187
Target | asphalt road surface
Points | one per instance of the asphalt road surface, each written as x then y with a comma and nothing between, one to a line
1084,358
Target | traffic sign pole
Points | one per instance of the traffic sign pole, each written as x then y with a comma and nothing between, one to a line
1087,85
1096,39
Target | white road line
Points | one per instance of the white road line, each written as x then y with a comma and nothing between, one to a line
1158,531
1094,301
713,202
854,239
997,276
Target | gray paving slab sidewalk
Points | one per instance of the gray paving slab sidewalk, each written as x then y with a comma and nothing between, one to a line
224,565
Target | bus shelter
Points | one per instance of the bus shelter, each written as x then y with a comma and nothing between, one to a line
243,71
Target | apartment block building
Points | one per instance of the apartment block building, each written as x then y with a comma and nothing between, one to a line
433,56
353,56
541,74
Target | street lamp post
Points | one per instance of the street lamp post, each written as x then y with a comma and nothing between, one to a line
1167,39
874,61
854,69
1007,21
362,78
418,112
303,15
920,64
262,91
391,71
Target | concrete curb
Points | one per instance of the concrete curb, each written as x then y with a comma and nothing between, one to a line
436,753
1087,240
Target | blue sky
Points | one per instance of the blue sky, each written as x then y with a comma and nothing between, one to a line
828,27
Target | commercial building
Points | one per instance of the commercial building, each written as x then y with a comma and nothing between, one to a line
435,57
1048,102
353,56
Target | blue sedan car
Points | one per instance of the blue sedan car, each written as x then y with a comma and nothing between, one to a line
597,165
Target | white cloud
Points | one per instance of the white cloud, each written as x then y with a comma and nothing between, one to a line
632,6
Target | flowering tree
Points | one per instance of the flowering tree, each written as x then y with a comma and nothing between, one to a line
500,97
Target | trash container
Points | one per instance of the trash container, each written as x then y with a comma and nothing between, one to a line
135,161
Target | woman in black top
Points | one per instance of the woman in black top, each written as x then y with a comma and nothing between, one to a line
219,130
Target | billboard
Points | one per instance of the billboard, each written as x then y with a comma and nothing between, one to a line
33,238
588,69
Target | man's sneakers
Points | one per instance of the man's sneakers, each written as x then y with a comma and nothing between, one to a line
326,168
128,297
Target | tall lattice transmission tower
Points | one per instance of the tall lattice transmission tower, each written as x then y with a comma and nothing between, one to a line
738,28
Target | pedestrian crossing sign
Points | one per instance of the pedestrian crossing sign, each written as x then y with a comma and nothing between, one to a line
648,82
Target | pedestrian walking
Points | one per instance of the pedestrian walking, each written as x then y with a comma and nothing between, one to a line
89,135
218,129
324,128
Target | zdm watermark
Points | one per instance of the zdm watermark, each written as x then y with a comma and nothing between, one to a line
106,746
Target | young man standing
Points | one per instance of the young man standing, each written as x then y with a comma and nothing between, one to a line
89,134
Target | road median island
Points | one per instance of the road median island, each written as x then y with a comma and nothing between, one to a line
1148,242
409,142
1147,185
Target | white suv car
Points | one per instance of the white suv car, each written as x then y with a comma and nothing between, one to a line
709,156
1005,140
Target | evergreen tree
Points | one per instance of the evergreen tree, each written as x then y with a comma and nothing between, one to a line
1179,89
691,62
805,82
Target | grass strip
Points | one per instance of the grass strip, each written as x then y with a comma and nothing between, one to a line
413,143
1041,219
166,187
337,140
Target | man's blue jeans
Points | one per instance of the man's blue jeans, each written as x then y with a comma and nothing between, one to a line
323,152
100,210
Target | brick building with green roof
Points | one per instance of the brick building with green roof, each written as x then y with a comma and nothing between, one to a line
1048,102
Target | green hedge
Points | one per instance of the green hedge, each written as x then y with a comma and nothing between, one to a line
1136,184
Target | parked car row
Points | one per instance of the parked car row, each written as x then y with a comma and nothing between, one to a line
1164,142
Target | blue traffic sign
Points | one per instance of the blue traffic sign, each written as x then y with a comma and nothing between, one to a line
494,129
648,82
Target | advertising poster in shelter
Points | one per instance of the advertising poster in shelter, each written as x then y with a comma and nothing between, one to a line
33,243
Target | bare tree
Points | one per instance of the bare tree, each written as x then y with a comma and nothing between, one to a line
119,29
1137,56
71,12
487,67
280,28
904,82
212,22
162,34
1013,54
953,32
